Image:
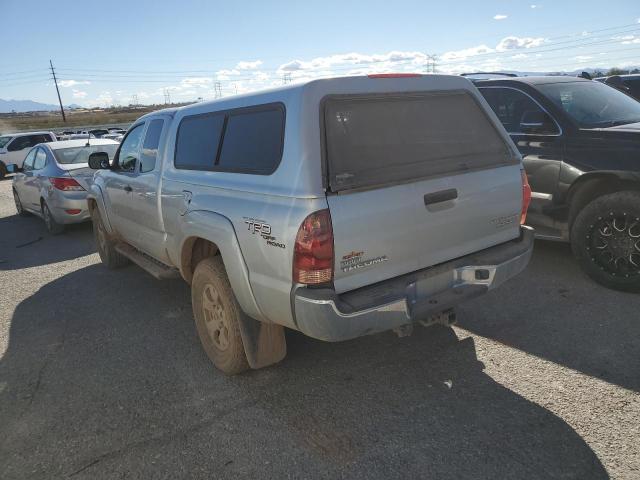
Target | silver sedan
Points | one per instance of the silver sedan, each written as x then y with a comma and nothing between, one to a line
54,180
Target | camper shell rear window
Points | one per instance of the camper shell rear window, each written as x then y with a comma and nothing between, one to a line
379,139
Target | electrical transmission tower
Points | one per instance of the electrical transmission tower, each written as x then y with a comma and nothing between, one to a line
217,89
167,97
134,100
55,80
431,63
286,78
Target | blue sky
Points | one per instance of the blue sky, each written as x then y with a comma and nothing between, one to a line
106,52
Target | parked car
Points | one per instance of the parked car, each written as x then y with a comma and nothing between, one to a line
113,136
629,84
580,142
14,148
99,132
54,181
339,208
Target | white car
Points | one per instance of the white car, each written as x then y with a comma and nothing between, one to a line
14,148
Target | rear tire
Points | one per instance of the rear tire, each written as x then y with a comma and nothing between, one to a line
605,238
53,227
19,208
217,316
105,245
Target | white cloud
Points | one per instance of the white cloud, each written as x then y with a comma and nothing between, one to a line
79,94
627,39
72,83
582,58
533,6
248,65
466,53
512,43
328,63
499,16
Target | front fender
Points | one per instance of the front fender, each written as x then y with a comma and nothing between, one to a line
95,193
219,230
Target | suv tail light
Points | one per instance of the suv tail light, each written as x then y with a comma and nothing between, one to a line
526,196
65,184
313,250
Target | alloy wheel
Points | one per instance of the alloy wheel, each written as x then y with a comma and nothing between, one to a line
215,318
614,244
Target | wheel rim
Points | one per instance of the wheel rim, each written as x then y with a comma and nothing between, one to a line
614,244
17,200
215,318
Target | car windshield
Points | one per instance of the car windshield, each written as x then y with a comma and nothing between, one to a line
74,155
592,104
4,141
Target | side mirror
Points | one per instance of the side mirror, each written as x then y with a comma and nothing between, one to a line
12,168
99,161
536,121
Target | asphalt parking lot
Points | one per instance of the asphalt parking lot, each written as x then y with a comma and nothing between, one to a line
102,376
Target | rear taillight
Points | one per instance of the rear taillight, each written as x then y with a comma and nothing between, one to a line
313,250
65,184
526,197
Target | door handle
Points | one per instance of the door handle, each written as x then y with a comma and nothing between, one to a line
127,188
441,196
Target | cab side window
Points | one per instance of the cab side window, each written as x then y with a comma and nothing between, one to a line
20,143
518,113
129,149
150,146
40,159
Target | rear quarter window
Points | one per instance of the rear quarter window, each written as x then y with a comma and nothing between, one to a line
380,139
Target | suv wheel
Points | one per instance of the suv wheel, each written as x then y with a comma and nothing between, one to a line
105,245
217,316
19,208
605,238
53,227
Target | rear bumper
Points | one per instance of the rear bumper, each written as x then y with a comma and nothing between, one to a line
325,315
60,202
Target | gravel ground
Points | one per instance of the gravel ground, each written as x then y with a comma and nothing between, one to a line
102,376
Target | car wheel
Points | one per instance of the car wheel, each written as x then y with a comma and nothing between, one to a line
19,208
105,245
605,238
53,227
217,316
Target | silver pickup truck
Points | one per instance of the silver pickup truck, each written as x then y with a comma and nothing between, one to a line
339,207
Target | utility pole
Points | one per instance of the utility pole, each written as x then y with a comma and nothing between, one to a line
55,80
217,88
167,96
286,78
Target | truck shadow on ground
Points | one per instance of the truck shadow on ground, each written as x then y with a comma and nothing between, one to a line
555,312
104,377
25,242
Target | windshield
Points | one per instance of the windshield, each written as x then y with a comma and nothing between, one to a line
592,104
4,141
75,155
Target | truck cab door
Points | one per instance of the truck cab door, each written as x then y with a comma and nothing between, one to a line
117,189
539,139
133,188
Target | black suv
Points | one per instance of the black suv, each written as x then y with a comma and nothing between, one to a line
580,143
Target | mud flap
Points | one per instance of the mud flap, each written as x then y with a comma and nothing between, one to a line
264,343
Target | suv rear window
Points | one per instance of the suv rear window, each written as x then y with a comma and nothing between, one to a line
244,140
381,139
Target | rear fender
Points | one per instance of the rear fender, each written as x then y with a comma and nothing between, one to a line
264,342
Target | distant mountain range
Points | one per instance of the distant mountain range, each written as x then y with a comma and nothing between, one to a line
8,106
